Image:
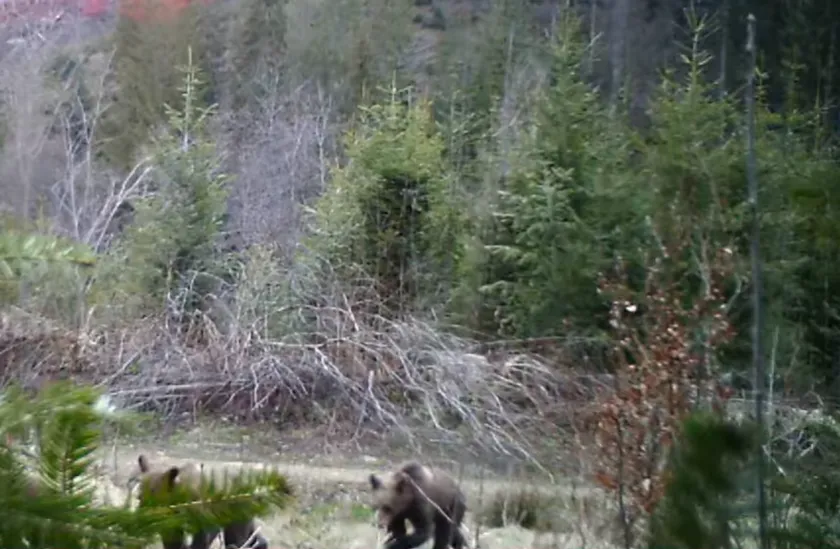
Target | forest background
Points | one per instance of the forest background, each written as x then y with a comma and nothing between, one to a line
484,228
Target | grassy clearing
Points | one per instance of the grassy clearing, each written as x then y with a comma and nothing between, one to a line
331,510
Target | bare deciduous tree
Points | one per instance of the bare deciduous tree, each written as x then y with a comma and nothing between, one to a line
281,161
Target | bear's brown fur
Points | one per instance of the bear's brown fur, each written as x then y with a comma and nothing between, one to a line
158,481
429,499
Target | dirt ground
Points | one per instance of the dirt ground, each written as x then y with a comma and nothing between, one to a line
330,483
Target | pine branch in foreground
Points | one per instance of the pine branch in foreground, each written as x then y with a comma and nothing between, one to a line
50,503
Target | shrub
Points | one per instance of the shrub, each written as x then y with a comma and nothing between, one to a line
810,488
526,507
389,213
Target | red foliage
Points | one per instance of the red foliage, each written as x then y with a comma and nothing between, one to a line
662,352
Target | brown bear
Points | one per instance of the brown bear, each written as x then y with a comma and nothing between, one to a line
429,499
161,480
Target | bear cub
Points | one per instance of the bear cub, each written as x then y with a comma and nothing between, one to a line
162,480
429,499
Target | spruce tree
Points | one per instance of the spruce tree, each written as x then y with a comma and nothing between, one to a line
47,499
151,46
706,472
171,243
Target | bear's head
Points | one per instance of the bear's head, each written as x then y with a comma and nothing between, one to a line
160,484
391,496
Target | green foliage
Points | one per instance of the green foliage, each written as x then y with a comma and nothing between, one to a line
478,58
705,469
258,51
801,249
694,159
350,47
148,56
549,230
584,189
810,488
67,422
53,505
172,241
692,162
389,212
41,262
20,252
798,48
587,190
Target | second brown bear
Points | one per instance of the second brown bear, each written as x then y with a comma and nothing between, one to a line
429,499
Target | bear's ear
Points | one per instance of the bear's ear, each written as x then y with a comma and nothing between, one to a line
375,482
170,476
143,463
401,482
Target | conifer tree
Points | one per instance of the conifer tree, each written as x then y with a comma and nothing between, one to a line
151,46
258,51
48,501
533,269
706,472
171,242
390,213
